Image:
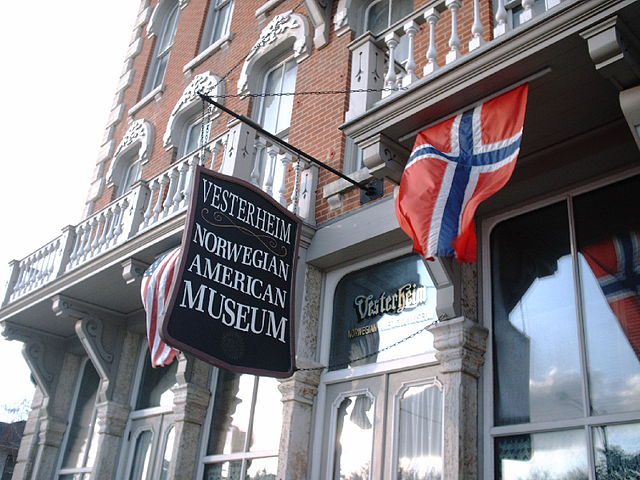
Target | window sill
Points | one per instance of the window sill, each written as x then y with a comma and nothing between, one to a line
333,191
156,92
207,52
263,11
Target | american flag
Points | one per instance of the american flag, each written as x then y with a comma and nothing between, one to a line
616,265
156,284
456,165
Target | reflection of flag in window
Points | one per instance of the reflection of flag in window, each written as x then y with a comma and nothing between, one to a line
456,165
616,265
156,284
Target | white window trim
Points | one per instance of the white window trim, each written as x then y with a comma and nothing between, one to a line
219,44
164,10
486,399
331,280
137,141
156,94
72,409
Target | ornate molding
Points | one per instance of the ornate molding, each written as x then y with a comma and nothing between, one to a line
44,355
99,338
139,135
460,345
286,31
384,157
206,83
133,270
112,418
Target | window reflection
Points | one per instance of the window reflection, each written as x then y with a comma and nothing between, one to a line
354,438
617,451
557,456
156,385
420,434
534,312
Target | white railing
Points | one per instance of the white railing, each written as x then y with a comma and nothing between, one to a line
150,203
379,72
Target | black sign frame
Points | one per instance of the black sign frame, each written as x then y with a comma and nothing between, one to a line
172,317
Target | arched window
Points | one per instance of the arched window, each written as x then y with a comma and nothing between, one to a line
132,152
166,36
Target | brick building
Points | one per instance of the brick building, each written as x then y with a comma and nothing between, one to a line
531,372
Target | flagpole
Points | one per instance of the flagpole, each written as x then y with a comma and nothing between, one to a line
366,188
530,78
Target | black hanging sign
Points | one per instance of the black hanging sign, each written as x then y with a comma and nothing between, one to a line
232,300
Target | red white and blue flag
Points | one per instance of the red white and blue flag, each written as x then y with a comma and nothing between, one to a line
156,285
616,265
454,167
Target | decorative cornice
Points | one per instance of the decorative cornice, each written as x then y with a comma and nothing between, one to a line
139,131
206,83
279,31
133,270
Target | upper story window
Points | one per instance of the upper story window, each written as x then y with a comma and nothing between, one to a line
276,110
565,296
80,442
381,14
193,136
217,23
130,175
162,49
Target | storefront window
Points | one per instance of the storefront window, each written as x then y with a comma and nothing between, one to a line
566,336
378,307
246,422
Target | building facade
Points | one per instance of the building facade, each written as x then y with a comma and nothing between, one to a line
522,365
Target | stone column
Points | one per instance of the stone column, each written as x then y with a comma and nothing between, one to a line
28,445
191,399
460,345
298,395
111,421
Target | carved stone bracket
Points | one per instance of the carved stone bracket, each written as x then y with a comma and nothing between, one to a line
206,83
100,338
51,431
302,387
615,51
133,270
285,32
384,157
44,355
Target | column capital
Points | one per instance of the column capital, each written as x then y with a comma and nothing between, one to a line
112,418
301,387
52,431
460,345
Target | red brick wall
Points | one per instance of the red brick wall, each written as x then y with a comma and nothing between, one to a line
315,120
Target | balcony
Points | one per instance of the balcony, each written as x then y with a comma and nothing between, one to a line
156,202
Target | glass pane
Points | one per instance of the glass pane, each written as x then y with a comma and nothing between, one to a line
543,456
420,434
378,17
83,419
168,454
142,455
158,76
354,438
609,245
267,419
223,471
230,418
400,9
537,375
193,137
221,22
131,175
262,469
286,102
617,451
169,31
377,307
270,104
156,384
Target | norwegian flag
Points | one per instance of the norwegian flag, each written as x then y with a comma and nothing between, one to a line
454,167
616,265
156,284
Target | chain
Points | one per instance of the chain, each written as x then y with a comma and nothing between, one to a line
369,355
316,92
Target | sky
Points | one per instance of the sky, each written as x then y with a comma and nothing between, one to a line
61,65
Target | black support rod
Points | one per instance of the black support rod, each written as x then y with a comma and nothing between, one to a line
283,143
